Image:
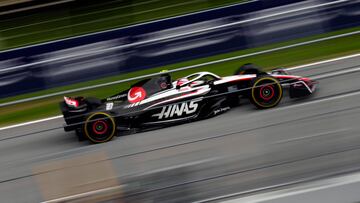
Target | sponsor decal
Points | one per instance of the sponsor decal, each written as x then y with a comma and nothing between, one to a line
116,97
136,94
178,110
221,110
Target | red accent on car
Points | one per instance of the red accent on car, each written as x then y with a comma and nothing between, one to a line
181,81
305,79
308,81
163,85
71,102
136,94
285,76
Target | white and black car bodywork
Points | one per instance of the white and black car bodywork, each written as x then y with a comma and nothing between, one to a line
159,101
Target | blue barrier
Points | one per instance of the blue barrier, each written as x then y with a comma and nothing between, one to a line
168,41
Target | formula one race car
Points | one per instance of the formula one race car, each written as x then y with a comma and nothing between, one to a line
159,101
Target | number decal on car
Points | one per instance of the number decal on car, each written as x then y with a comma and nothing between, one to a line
109,106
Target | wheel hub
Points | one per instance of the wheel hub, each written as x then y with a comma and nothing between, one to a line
267,92
100,127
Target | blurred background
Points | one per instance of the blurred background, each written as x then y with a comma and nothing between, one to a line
50,48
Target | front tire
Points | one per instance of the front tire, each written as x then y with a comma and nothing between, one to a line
266,92
99,127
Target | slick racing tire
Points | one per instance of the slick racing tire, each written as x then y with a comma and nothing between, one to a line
266,92
99,127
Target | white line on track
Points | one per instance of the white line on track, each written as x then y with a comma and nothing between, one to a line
86,194
316,185
30,122
323,62
292,68
317,101
313,135
173,167
301,189
117,188
336,73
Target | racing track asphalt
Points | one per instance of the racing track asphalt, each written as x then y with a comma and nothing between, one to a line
240,150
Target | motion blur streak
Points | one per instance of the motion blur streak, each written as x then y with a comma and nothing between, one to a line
317,191
171,41
179,69
250,156
291,68
70,180
316,77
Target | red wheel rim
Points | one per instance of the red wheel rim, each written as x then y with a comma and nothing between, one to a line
100,127
267,92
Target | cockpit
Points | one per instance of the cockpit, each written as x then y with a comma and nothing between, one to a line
196,79
156,84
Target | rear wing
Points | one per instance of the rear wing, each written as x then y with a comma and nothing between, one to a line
75,103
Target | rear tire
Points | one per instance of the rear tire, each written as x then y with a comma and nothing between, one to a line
266,92
99,127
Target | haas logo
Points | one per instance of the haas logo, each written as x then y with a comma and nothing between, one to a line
136,94
177,109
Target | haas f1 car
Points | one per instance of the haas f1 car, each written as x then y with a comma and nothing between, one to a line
159,101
